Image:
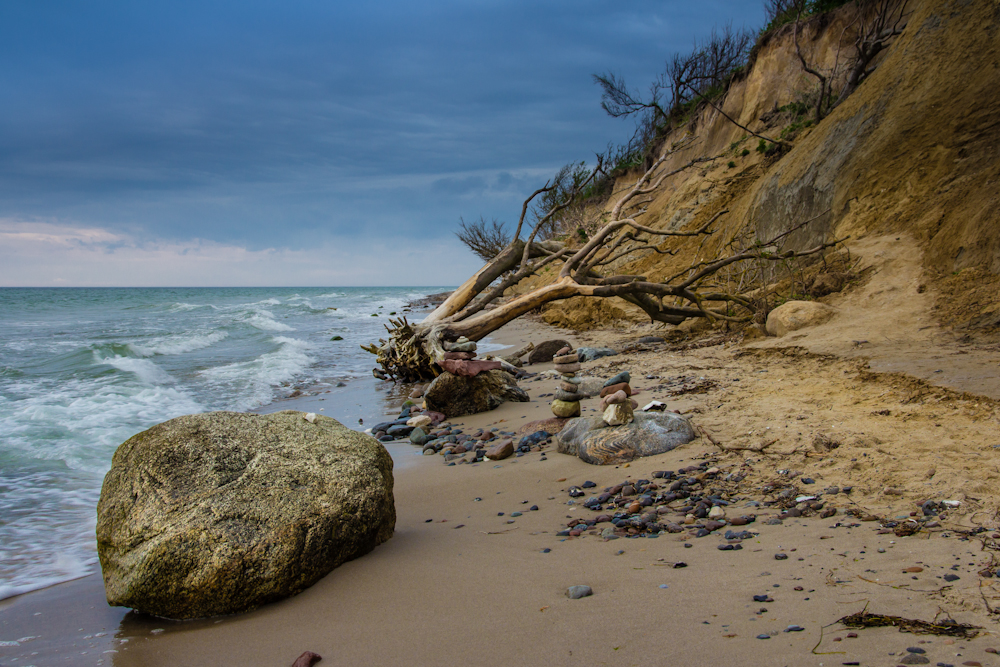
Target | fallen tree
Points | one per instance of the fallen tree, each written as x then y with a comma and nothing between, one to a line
412,350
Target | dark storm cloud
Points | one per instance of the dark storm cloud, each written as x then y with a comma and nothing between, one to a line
262,123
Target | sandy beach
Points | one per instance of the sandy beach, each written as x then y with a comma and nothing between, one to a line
466,581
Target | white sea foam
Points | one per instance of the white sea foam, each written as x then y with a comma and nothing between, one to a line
181,307
144,369
262,374
264,320
177,344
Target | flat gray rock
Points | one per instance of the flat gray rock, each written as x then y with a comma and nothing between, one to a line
591,439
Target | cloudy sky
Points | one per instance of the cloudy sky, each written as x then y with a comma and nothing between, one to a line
300,143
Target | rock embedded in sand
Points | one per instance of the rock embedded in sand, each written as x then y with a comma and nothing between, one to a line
544,352
577,592
501,450
651,433
222,512
795,315
454,395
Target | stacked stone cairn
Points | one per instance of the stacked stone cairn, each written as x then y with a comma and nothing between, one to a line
616,403
568,397
460,359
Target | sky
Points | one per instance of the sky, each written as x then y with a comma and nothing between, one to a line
324,143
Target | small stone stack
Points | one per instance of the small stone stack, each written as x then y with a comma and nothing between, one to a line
616,403
462,345
568,397
460,359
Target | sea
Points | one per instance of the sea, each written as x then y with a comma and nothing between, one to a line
84,369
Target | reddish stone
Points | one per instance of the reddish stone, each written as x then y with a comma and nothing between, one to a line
468,368
459,356
307,659
501,450
621,386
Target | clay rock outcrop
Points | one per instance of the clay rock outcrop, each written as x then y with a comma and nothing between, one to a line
795,315
591,439
455,395
222,512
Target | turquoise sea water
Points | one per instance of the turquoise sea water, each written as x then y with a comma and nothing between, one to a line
84,369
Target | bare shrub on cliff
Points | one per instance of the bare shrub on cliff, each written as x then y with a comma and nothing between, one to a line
879,22
587,269
705,71
485,239
875,24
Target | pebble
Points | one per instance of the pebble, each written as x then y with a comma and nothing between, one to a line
914,659
763,636
794,628
780,556
577,592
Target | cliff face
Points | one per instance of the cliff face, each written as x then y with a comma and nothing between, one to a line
915,150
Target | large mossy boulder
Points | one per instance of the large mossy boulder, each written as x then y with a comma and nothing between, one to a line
591,439
222,512
455,395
